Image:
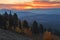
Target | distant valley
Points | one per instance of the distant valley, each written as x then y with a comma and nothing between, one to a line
50,18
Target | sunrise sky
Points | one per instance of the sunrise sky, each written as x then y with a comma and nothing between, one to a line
29,4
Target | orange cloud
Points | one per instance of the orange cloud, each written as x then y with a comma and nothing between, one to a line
30,5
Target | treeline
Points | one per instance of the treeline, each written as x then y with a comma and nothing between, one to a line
13,23
9,21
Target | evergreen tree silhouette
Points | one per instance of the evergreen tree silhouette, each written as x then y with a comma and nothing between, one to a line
41,28
15,20
35,27
5,19
19,23
10,20
1,21
25,24
50,30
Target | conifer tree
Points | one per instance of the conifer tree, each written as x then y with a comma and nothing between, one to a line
5,19
35,27
1,17
15,20
19,23
41,28
25,24
10,20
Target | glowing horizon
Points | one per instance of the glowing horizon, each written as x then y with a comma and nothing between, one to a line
28,4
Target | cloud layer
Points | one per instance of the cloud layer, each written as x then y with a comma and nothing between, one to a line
13,1
23,1
49,0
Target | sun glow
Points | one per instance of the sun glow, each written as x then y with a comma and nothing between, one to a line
28,7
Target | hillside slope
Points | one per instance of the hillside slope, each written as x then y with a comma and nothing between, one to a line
8,35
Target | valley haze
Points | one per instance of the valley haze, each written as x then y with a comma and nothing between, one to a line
50,18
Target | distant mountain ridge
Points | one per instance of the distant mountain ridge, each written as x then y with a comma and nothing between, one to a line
32,12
